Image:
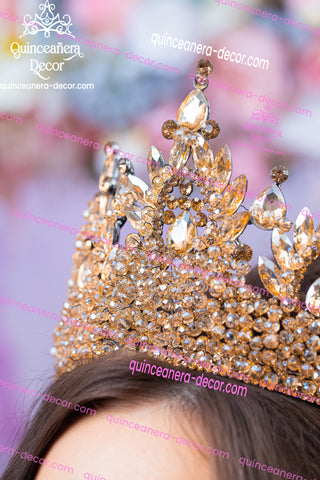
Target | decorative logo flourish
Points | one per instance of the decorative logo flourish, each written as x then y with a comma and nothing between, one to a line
47,22
265,114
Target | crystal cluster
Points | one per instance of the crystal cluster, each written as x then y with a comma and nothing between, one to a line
215,318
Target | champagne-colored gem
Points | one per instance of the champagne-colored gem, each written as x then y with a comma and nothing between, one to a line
282,249
313,298
168,217
204,67
268,208
157,183
134,215
155,162
84,270
194,111
222,169
200,219
109,174
284,225
181,234
172,202
270,276
185,187
303,231
148,214
184,203
168,129
136,186
243,252
233,197
151,196
179,154
203,156
197,204
166,172
107,268
211,129
199,243
133,240
232,227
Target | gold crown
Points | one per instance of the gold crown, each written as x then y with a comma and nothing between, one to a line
134,292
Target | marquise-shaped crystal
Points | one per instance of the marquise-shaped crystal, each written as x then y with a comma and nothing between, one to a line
155,162
84,270
268,208
282,249
203,156
179,154
313,298
232,227
270,276
303,231
233,197
134,215
222,169
194,111
106,267
181,233
109,174
136,186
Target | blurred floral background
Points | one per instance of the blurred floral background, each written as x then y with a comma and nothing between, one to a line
54,178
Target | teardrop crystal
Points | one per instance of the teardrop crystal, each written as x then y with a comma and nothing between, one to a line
134,215
270,276
222,169
179,154
303,231
194,111
282,249
203,156
268,208
155,162
109,174
181,233
313,298
136,186
232,227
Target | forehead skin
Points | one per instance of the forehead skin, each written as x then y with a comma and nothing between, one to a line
116,452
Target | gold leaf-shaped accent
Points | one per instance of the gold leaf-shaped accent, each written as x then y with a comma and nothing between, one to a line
233,197
109,174
179,154
303,231
282,249
268,208
232,227
155,162
203,156
270,276
194,111
181,233
134,215
222,169
136,186
313,298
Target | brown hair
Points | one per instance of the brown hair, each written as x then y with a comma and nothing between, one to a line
273,429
